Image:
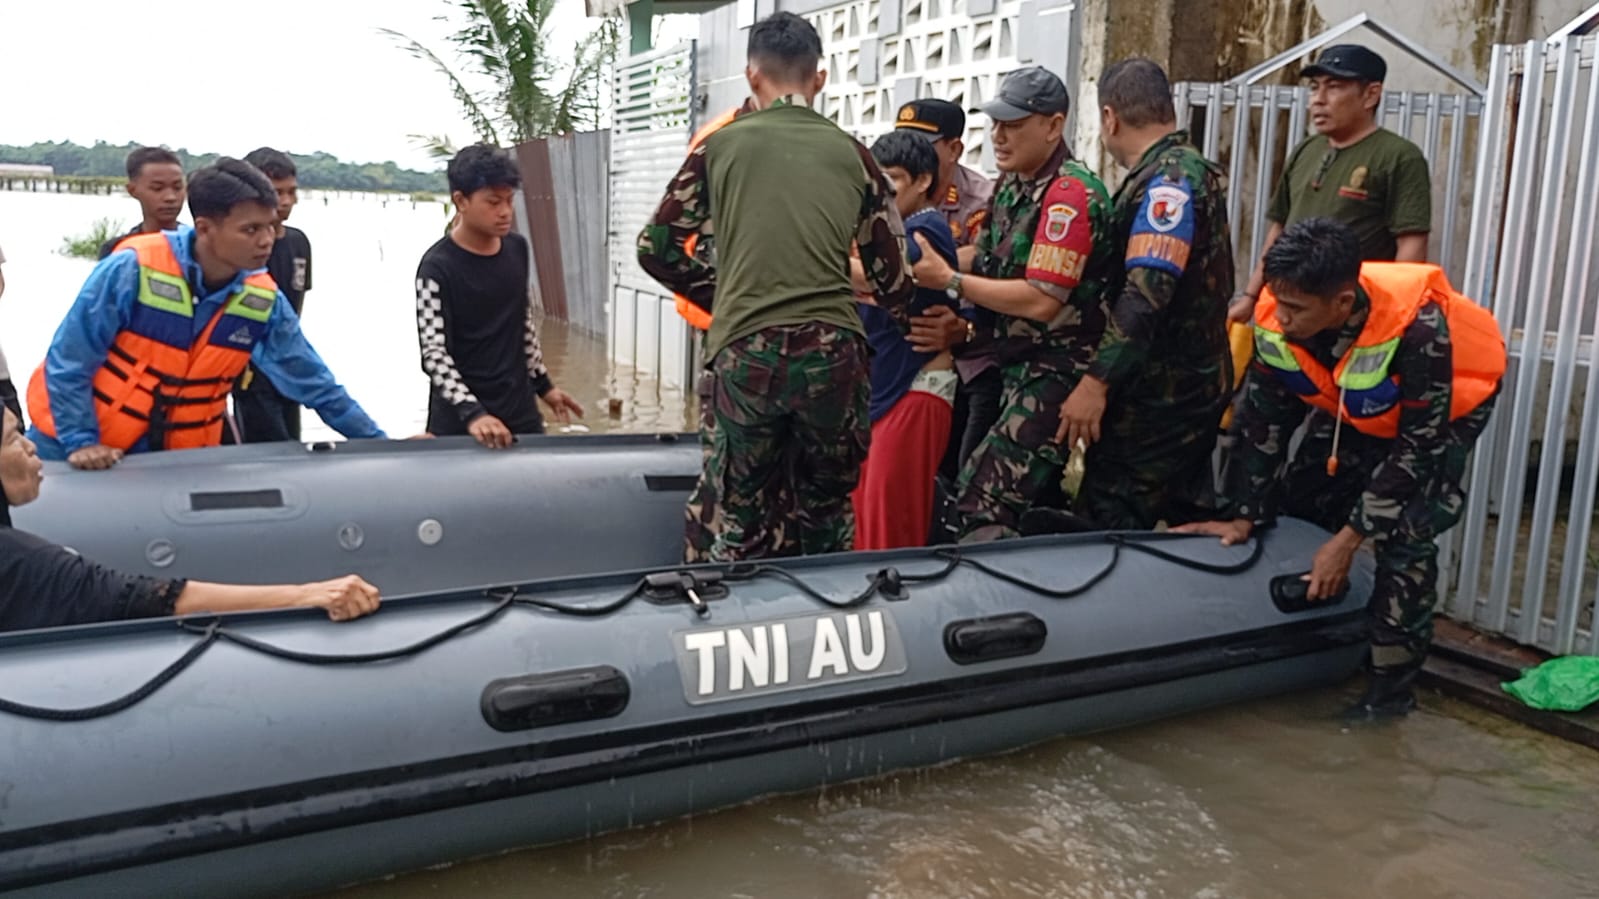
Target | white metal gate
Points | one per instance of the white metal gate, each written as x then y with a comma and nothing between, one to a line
1250,128
1524,563
649,135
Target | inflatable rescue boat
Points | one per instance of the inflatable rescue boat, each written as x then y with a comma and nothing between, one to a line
601,686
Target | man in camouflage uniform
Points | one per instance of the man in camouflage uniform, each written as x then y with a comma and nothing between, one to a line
699,516
1149,405
1045,263
1411,370
789,193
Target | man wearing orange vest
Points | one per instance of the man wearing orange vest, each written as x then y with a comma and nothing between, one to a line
147,355
1399,373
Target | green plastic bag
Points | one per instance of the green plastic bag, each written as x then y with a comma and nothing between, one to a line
1566,684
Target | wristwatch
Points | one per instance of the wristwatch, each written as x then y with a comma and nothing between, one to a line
953,288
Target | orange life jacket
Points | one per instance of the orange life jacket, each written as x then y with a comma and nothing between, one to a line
1241,341
1362,387
158,379
692,313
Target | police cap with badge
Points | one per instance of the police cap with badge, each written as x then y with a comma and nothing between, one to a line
938,119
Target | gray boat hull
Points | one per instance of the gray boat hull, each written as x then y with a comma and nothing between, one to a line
411,516
254,775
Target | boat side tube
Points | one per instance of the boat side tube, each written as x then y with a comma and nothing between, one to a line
278,767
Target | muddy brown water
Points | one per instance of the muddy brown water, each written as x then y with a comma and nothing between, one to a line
1269,799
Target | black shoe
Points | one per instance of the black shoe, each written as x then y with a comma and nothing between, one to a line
1388,696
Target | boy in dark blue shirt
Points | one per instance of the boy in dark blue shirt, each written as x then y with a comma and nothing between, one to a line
913,392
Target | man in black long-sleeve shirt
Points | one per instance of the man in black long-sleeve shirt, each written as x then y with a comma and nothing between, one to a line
473,319
264,414
45,585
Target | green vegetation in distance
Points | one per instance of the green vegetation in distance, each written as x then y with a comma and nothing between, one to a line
318,171
88,246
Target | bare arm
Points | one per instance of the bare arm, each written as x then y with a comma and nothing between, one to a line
344,598
1411,247
1241,311
857,279
966,256
1010,296
1257,278
1018,297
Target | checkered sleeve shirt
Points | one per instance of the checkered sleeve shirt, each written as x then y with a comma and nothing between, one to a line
437,363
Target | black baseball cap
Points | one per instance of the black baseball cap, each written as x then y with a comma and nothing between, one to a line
938,118
1025,92
1350,61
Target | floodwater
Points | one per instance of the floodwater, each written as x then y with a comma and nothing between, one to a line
360,314
1269,799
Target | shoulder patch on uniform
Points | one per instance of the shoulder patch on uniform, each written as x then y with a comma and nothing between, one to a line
1162,236
1065,235
976,222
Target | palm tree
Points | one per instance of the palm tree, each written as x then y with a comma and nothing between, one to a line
531,95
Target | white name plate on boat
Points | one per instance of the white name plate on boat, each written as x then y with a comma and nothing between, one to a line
787,654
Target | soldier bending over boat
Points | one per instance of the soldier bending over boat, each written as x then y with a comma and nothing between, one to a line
1389,353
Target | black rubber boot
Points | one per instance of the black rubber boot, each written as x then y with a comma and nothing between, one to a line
1389,695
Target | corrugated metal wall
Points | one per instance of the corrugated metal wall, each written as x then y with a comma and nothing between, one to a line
566,187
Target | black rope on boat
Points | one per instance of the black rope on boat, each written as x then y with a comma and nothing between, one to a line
1143,545
210,634
886,582
615,605
213,632
313,658
1034,587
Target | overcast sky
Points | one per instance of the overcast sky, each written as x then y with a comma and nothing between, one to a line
207,75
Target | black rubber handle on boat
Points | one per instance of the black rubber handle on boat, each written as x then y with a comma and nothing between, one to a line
561,697
1290,593
1000,637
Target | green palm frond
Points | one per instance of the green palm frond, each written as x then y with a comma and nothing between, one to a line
531,90
578,105
474,113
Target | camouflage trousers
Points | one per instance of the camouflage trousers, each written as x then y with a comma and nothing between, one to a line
784,431
700,515
1151,464
1406,588
702,512
1018,465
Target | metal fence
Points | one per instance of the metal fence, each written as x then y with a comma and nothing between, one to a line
1525,563
565,197
1250,128
650,131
